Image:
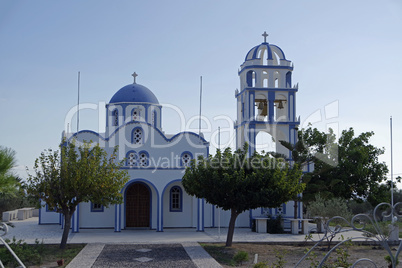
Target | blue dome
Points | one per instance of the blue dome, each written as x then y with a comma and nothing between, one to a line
134,93
255,52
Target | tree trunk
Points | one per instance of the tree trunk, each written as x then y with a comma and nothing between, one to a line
66,231
233,217
295,208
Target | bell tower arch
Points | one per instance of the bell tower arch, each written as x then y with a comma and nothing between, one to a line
266,100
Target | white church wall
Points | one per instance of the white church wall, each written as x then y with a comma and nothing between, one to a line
96,219
48,217
208,218
177,218
222,218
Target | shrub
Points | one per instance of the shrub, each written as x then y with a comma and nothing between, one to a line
328,208
23,251
261,265
240,257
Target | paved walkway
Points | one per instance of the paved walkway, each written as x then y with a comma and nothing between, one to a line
146,244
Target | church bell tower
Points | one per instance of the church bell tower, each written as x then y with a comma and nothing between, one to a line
266,101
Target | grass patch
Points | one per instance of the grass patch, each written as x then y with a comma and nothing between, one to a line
38,253
53,253
276,255
220,253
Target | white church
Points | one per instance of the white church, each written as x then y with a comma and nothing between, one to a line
154,197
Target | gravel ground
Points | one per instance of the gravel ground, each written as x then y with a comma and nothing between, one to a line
145,255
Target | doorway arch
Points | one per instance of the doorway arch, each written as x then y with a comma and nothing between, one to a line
138,206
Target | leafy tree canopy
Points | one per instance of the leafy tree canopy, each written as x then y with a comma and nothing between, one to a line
77,174
346,168
237,183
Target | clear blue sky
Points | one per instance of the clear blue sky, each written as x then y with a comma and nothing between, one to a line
349,52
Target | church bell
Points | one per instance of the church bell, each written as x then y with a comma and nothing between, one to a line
263,107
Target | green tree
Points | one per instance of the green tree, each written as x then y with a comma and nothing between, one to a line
237,183
347,168
359,170
77,174
8,181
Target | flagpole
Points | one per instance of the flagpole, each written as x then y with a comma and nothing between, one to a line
199,119
392,171
78,104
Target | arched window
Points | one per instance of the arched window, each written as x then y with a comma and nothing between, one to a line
132,159
136,114
186,159
288,79
265,76
115,117
137,136
251,78
143,159
276,79
176,199
154,118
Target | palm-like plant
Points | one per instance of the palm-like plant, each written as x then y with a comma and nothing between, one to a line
8,181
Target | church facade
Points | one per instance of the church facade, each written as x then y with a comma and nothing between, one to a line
154,197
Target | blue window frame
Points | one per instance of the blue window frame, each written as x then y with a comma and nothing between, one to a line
185,159
137,136
143,159
176,199
131,159
96,207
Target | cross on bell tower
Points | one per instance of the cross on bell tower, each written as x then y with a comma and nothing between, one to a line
265,36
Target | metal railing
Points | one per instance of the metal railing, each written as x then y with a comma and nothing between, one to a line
371,229
3,232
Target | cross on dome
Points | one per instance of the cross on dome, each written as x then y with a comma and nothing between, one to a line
265,36
134,75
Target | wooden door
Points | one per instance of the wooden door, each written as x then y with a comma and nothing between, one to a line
138,199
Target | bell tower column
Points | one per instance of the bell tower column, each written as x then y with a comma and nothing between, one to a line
266,100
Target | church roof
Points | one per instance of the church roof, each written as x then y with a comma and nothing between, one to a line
255,52
134,93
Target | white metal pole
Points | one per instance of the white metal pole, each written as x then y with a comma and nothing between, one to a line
392,171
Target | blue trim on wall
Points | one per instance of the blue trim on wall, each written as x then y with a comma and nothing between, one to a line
276,89
213,215
139,123
116,226
78,218
251,218
203,214
73,222
254,123
198,213
40,216
253,67
252,110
